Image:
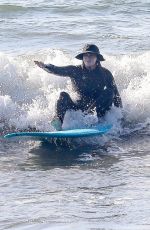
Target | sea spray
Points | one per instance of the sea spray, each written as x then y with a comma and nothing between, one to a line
29,94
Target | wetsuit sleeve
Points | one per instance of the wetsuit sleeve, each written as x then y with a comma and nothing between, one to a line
64,71
116,99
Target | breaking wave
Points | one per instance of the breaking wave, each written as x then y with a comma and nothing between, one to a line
28,94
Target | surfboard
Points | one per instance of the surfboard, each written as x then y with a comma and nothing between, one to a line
73,133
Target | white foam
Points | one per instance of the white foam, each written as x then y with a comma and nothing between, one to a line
28,94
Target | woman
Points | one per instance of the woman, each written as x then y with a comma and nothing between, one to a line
94,84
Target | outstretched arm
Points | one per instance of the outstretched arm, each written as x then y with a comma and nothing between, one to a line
66,71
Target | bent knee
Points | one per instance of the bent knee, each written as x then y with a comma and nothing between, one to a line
64,95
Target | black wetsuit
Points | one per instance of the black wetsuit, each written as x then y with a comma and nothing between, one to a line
96,89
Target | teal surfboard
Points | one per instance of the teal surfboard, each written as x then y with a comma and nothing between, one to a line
73,133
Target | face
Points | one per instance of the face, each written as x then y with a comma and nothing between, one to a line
89,59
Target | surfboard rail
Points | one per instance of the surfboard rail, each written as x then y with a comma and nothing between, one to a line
73,133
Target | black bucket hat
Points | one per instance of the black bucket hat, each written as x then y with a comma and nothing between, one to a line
90,48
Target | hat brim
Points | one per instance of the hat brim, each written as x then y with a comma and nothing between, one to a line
100,57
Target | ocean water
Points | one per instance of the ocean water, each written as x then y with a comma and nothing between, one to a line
96,183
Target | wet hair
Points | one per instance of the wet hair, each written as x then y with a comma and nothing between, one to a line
98,63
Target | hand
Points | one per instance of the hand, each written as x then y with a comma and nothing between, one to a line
40,64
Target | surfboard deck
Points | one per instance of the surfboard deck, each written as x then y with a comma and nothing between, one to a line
73,133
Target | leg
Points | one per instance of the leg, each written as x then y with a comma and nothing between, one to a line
64,103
